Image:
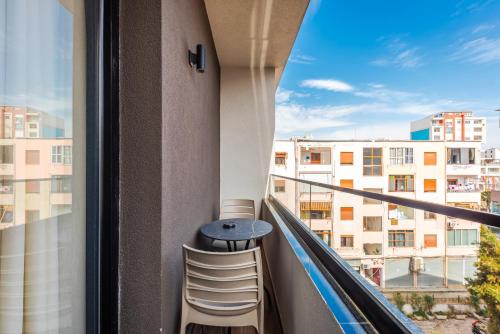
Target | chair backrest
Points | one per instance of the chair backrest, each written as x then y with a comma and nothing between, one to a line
237,208
214,280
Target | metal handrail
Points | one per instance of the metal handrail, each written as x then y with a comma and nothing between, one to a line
486,218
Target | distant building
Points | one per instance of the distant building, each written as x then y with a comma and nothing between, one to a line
26,122
450,126
490,169
380,240
35,166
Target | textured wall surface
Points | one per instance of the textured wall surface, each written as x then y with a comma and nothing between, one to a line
140,166
169,147
247,131
190,133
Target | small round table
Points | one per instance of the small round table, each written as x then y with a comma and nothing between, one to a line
236,229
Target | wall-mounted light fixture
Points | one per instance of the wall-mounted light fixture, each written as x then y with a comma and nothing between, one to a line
198,59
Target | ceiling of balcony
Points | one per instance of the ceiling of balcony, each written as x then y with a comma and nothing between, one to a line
255,33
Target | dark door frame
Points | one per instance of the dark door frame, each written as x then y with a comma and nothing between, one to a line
102,166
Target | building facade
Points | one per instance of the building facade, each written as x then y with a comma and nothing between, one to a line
490,169
380,240
449,126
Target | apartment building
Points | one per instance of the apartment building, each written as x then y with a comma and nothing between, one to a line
450,126
35,166
385,242
490,169
26,122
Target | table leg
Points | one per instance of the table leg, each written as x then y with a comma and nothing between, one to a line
235,246
229,246
247,244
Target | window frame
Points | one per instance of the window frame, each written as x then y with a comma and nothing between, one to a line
371,156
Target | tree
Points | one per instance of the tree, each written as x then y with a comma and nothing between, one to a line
486,283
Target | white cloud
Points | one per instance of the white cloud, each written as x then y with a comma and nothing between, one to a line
480,50
327,84
284,95
483,28
399,54
386,130
301,59
292,118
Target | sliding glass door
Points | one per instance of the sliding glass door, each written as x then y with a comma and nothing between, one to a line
43,166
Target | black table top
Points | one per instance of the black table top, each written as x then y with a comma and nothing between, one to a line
244,229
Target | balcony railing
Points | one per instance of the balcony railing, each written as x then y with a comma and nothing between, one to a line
409,253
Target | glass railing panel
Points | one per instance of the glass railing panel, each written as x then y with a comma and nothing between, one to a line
420,260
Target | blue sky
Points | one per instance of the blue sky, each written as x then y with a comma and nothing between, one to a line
365,69
36,39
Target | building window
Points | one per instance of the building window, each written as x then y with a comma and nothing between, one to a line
401,238
400,212
6,214
372,223
6,154
280,158
279,186
372,161
32,186
325,236
315,210
437,137
460,156
7,125
316,156
6,184
19,126
478,138
347,241
346,158
478,129
430,158
31,216
429,215
32,157
462,237
477,121
430,240
401,183
62,154
429,185
367,200
347,183
346,213
60,184
401,155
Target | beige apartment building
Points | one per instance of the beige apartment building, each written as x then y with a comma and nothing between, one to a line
393,246
35,166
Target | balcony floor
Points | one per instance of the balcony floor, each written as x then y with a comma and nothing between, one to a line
272,322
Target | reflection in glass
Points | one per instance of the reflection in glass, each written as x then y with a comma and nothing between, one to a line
42,187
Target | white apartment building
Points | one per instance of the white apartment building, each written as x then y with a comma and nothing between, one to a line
490,169
381,240
450,126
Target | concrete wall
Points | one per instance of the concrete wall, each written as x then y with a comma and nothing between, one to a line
301,306
247,132
190,169
169,155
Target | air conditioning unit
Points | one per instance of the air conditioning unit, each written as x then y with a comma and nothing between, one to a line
365,266
416,264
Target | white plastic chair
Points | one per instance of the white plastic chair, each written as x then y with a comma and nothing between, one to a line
237,208
222,289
